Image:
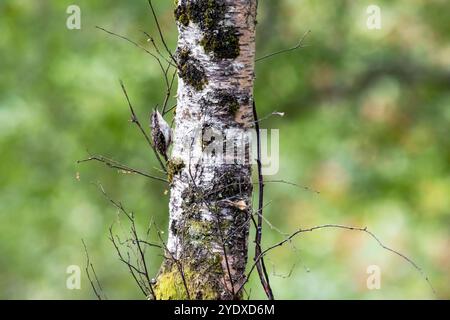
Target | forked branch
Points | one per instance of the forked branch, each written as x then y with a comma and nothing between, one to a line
337,226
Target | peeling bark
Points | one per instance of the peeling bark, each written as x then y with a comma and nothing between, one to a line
210,196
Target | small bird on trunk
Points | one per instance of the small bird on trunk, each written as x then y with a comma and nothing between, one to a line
161,133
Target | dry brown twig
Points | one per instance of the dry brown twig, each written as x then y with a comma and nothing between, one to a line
135,120
96,287
147,288
121,167
296,47
337,226
260,265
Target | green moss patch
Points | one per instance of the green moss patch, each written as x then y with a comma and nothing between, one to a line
229,102
219,40
171,286
190,70
223,43
174,167
206,13
181,15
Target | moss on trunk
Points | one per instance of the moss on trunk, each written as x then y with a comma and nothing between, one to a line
207,245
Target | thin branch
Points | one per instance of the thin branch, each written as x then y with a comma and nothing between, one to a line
135,44
169,83
142,256
284,276
136,239
160,32
168,93
124,168
150,244
264,277
135,120
306,188
270,224
89,265
298,46
152,41
336,226
170,109
272,114
131,268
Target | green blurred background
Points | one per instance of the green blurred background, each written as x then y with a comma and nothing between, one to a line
367,124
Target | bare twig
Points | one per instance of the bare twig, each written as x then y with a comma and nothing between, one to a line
142,256
135,44
298,46
152,40
264,277
161,35
284,276
168,93
135,120
170,109
90,266
124,168
306,188
270,224
272,114
168,83
133,269
150,244
336,226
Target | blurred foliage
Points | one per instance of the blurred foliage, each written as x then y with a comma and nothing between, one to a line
367,124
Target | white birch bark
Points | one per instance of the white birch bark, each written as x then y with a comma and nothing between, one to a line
210,196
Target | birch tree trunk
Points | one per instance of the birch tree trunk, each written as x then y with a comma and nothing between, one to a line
210,194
